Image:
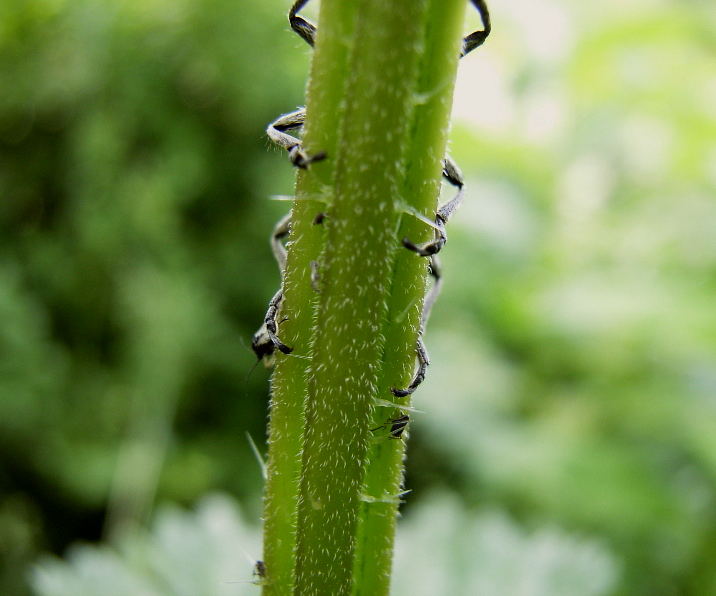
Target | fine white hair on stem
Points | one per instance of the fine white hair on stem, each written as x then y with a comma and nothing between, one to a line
257,455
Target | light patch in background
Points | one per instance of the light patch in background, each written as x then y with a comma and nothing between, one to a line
545,116
636,68
584,188
589,304
482,97
647,148
545,28
210,551
480,382
440,549
496,213
690,234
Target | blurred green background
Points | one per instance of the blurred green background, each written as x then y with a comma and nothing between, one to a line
568,438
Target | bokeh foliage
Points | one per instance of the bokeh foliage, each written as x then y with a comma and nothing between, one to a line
134,180
574,348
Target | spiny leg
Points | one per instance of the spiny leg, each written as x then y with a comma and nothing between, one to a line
264,341
397,426
423,363
303,27
294,120
277,132
477,38
271,323
420,349
451,173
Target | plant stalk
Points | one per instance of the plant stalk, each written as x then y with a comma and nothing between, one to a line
378,104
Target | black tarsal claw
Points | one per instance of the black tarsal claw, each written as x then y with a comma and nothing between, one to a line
284,348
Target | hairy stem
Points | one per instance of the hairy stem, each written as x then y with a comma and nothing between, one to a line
289,383
356,267
426,146
378,104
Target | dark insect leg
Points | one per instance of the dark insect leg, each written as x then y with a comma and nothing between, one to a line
262,343
277,131
452,174
420,349
477,38
397,426
271,323
303,27
423,363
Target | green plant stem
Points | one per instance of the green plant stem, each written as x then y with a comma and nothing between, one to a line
378,104
356,271
289,383
428,138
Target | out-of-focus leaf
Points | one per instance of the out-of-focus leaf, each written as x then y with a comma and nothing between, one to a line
203,553
442,549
